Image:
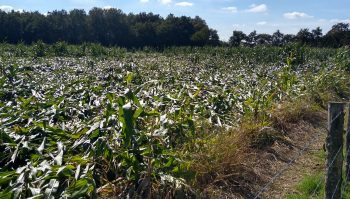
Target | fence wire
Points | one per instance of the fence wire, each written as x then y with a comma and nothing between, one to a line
286,167
332,162
301,152
336,187
290,163
346,154
346,174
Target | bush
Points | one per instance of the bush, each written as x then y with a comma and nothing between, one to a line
39,49
342,59
60,49
97,50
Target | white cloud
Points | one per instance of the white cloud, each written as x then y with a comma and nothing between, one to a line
144,1
107,7
257,8
239,25
10,8
6,8
90,3
184,4
261,23
296,15
231,9
165,2
340,20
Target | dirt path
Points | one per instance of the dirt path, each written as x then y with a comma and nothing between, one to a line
308,139
301,141
307,164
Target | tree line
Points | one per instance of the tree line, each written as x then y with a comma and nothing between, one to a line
109,27
112,27
338,36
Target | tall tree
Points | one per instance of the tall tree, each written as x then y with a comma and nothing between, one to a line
214,39
78,26
58,26
340,27
97,25
112,27
201,33
252,37
317,36
263,39
304,36
236,38
338,36
288,38
12,27
277,38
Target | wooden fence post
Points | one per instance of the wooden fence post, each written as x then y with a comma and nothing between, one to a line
347,146
334,146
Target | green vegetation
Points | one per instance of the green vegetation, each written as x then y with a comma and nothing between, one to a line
109,27
112,27
88,121
310,187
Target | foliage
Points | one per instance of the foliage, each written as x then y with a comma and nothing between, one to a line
112,27
338,36
108,27
311,187
88,121
39,49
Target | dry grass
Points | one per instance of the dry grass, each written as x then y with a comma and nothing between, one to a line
221,165
224,162
302,109
235,163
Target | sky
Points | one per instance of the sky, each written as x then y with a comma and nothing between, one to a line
264,16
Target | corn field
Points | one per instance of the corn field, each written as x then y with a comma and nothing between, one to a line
102,122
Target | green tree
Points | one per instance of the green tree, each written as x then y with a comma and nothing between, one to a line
338,36
317,36
263,39
214,39
252,37
236,38
277,38
58,25
78,26
304,36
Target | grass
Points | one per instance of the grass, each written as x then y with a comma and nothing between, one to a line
219,159
291,112
308,186
218,162
312,186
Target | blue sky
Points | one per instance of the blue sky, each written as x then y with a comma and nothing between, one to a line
265,16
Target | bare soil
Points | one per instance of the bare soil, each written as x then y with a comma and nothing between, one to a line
293,151
302,141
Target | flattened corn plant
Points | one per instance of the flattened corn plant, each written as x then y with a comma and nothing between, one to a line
74,127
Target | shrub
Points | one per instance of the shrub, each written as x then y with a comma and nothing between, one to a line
60,49
39,49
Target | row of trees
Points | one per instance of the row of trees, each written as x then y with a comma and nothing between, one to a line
110,27
338,36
